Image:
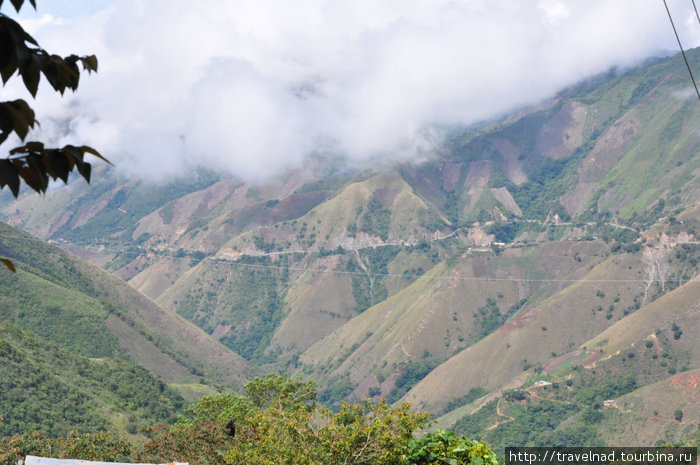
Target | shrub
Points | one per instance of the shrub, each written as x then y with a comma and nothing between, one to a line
678,414
278,421
447,447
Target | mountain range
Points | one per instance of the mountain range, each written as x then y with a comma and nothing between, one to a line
534,281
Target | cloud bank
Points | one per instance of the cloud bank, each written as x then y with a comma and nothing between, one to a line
253,88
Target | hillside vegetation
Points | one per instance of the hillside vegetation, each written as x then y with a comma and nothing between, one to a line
48,388
550,246
91,313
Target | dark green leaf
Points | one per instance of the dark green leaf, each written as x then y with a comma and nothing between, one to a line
74,151
40,176
22,52
9,176
90,150
7,72
33,179
6,123
5,51
51,72
84,169
22,117
57,164
9,69
31,75
90,63
71,75
17,4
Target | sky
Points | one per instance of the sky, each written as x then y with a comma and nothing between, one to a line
255,87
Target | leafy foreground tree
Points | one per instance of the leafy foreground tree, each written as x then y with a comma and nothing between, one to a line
446,447
32,162
278,422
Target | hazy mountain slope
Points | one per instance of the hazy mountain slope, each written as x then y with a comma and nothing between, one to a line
93,313
552,325
306,303
215,295
109,207
376,211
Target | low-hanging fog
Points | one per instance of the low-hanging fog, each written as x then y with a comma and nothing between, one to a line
254,87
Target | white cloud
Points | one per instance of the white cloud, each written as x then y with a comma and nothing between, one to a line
254,87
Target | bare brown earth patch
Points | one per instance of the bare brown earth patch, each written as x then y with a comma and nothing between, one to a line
183,209
362,390
503,195
330,263
576,200
563,133
517,322
52,227
590,361
511,165
197,203
386,196
451,173
686,383
220,331
96,256
477,236
297,205
477,179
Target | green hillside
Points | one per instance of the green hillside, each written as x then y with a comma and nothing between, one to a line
45,387
87,311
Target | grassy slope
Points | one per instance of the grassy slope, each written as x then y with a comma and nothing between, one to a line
554,325
63,315
439,314
177,336
47,387
644,414
654,130
681,304
92,312
305,303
